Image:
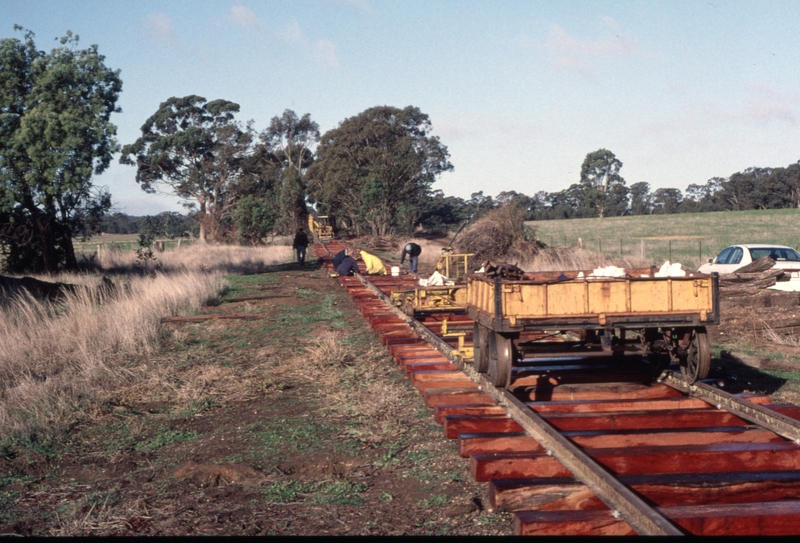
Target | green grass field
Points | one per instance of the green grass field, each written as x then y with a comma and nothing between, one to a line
688,238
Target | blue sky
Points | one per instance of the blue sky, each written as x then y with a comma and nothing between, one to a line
519,91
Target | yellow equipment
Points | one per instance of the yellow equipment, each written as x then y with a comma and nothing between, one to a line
463,352
430,299
321,228
453,265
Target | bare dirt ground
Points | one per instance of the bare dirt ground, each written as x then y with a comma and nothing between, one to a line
293,423
244,431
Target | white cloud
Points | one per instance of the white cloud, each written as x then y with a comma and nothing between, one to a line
325,54
365,5
245,17
322,51
292,34
567,51
767,105
160,30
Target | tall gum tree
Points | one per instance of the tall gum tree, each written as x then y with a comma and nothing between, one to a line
55,134
375,168
195,150
604,190
290,141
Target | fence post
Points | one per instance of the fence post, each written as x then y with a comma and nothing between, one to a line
620,246
641,248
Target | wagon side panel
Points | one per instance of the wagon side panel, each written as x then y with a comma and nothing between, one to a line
650,296
607,297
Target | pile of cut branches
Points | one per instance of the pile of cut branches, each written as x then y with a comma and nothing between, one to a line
499,236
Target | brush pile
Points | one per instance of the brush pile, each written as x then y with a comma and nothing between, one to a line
499,236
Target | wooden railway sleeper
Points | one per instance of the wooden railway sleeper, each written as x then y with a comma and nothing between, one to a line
636,512
778,423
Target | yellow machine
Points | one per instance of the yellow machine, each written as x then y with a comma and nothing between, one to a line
321,228
462,350
453,265
448,297
430,299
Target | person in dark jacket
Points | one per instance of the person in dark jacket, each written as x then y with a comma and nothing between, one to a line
348,266
300,244
339,257
412,250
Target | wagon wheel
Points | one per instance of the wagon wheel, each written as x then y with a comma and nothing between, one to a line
480,345
694,354
502,355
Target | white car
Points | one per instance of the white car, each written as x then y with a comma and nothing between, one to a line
737,256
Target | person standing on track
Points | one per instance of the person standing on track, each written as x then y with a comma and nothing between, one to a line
300,244
413,251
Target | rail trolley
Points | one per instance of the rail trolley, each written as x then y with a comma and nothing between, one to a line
661,318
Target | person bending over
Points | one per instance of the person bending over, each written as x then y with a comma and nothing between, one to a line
348,266
373,264
412,250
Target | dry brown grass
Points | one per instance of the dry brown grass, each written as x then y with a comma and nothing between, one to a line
202,257
774,338
56,359
568,258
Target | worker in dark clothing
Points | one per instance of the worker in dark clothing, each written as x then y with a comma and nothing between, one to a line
349,266
300,244
412,250
339,257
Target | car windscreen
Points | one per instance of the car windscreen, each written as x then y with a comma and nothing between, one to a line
731,255
776,253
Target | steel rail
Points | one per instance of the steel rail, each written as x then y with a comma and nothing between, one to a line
780,424
643,518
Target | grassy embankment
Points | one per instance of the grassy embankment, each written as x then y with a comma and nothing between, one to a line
56,359
693,237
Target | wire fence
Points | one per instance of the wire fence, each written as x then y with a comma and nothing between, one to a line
691,252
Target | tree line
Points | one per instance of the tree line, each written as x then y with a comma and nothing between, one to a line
373,173
602,192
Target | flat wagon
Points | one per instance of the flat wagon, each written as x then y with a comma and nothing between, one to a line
663,318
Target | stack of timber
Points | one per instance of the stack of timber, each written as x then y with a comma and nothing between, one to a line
748,307
749,280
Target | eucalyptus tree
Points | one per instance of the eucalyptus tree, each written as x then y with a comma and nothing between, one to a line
374,169
604,191
290,141
195,150
55,134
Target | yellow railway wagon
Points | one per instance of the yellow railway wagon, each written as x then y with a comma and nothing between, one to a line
667,314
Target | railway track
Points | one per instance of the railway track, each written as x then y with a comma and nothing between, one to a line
588,445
